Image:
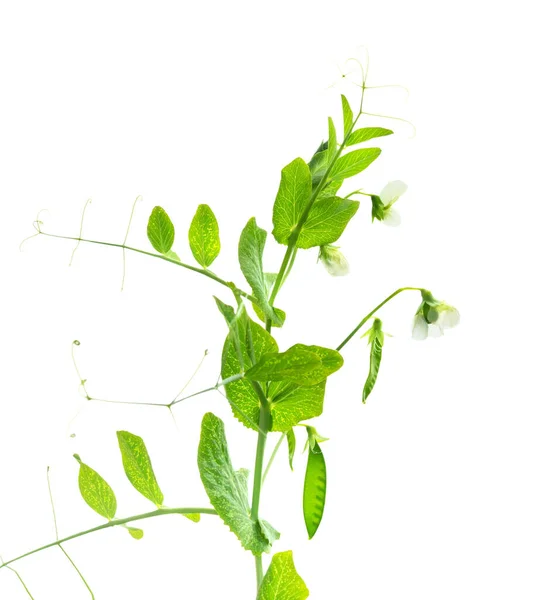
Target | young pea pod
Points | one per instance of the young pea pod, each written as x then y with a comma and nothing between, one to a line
376,339
315,486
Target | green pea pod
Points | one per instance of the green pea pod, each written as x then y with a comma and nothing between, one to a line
315,484
374,364
292,444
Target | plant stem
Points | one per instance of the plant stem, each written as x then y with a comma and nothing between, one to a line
114,523
368,316
204,272
279,442
259,571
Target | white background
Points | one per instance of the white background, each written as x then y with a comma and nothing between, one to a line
439,486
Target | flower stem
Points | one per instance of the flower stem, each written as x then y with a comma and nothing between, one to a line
369,315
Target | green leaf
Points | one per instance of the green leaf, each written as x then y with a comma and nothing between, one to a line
318,167
96,492
204,238
292,445
354,162
137,466
365,134
374,363
171,254
329,190
282,582
326,222
237,324
136,533
281,315
304,365
332,142
241,395
160,230
347,115
292,365
292,403
292,198
315,485
195,517
227,489
251,248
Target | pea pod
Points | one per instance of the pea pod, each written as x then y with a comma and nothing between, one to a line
315,485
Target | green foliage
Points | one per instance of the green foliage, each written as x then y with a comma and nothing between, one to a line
243,399
204,238
137,466
315,487
377,208
376,339
160,230
96,492
227,489
292,403
332,141
282,582
300,364
251,248
194,517
354,162
292,445
326,222
365,134
136,533
347,116
292,198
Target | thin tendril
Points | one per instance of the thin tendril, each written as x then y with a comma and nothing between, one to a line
78,571
81,380
395,119
36,224
52,503
191,378
138,199
22,582
80,233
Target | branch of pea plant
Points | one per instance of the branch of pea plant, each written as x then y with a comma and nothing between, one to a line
204,272
114,523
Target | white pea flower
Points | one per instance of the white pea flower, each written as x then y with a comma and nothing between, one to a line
333,260
383,208
433,317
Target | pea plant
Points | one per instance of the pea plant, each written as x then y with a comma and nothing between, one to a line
272,391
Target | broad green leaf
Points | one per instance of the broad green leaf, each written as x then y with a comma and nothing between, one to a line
365,134
96,492
354,162
332,142
237,322
326,222
241,395
204,238
304,365
137,466
292,198
292,403
374,364
292,445
136,533
315,484
160,230
195,517
282,582
227,489
347,115
293,365
251,248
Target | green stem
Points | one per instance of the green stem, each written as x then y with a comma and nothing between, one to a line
259,571
368,316
204,272
78,571
115,523
272,457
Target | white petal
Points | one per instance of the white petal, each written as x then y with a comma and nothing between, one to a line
420,328
449,317
337,268
392,218
435,330
392,191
